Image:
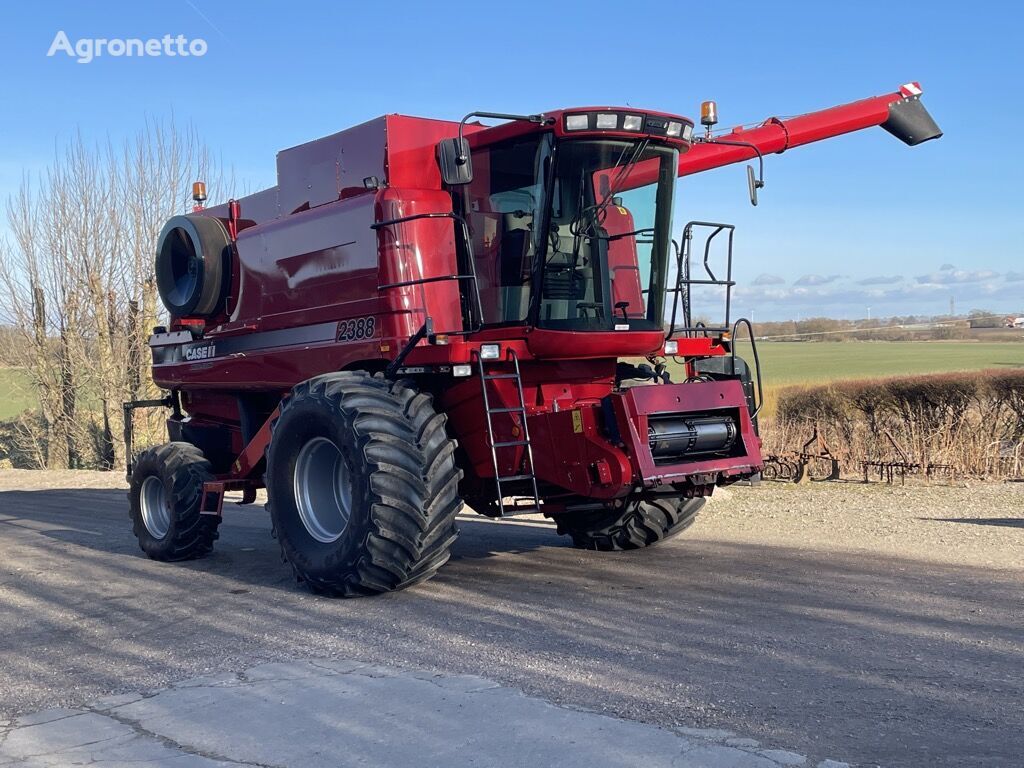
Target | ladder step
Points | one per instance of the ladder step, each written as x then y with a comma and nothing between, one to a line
513,478
526,509
513,409
493,376
510,443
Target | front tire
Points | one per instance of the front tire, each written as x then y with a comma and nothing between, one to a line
164,499
640,523
362,484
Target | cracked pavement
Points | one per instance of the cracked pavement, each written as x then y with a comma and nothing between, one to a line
335,713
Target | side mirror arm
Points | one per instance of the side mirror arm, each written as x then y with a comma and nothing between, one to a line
753,184
461,160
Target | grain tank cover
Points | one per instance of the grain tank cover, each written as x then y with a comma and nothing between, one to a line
327,169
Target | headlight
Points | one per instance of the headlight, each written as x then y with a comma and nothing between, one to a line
607,122
671,348
461,370
632,123
576,122
674,129
490,351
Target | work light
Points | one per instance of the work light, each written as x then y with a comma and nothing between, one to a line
576,122
632,123
607,122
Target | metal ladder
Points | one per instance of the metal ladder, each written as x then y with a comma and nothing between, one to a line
524,442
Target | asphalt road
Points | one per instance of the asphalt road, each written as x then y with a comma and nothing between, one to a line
858,655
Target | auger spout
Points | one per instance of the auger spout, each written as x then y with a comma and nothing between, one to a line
901,113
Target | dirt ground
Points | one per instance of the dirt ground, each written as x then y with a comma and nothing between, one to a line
883,625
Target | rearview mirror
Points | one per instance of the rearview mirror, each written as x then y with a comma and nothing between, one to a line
454,161
753,184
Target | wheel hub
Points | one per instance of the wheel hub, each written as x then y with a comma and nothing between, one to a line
323,490
156,514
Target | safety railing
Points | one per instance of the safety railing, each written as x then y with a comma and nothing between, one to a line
682,293
472,313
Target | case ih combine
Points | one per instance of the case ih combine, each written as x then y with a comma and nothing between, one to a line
424,312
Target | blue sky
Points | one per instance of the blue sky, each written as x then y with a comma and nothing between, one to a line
860,221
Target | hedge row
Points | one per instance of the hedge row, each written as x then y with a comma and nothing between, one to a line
972,420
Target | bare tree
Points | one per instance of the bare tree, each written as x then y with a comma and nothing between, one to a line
78,288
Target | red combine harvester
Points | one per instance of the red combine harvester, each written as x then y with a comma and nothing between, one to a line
424,312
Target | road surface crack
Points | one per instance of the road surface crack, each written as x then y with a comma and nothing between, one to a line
170,743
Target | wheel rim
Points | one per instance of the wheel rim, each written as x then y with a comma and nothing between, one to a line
156,514
323,490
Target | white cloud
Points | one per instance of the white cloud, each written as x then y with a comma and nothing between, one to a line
881,280
949,275
886,295
807,280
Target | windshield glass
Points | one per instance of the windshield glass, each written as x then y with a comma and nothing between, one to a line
601,230
607,242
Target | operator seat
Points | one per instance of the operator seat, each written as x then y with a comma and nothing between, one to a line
623,264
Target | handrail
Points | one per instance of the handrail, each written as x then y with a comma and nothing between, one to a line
422,280
759,400
684,282
474,321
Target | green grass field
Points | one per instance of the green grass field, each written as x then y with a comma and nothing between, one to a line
787,363
15,393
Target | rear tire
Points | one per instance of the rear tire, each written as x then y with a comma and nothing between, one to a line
362,484
640,523
164,498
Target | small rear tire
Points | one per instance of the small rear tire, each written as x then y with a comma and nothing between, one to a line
164,499
639,524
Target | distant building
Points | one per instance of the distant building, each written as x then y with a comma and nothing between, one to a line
1014,322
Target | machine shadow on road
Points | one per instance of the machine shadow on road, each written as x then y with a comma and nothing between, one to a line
837,652
1008,522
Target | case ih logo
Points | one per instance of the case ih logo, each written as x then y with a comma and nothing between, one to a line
201,353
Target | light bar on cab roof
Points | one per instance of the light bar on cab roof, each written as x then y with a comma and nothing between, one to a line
629,122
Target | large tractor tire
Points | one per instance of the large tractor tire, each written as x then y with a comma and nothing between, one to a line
192,262
164,499
362,484
640,523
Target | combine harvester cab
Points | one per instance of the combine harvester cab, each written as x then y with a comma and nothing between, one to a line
423,313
